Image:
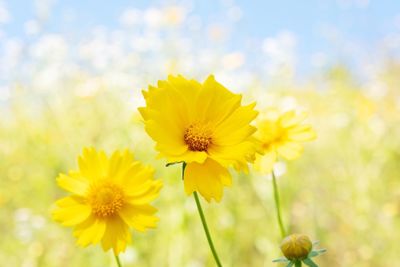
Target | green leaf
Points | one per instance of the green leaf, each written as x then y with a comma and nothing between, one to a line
309,262
281,260
290,264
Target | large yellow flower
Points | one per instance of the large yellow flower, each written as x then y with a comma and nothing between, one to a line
205,126
109,195
281,134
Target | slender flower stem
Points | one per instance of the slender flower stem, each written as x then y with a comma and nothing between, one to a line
298,264
117,260
278,205
204,222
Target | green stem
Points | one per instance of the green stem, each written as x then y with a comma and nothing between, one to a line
278,205
117,260
204,222
298,264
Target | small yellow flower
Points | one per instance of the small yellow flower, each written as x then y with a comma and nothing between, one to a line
296,246
281,134
205,126
109,195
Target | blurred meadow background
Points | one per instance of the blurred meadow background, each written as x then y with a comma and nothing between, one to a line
71,74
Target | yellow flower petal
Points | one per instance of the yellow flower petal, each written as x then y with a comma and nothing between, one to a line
290,151
236,128
302,134
71,211
229,155
215,102
291,118
116,235
139,217
93,165
208,179
90,232
74,185
145,194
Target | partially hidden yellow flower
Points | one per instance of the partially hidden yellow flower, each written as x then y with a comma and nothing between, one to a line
108,196
203,125
281,134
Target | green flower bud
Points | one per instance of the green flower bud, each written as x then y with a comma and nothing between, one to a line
296,246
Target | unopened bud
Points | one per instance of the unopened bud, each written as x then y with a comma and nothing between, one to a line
296,246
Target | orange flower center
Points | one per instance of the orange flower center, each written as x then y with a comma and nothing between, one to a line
198,137
275,136
106,199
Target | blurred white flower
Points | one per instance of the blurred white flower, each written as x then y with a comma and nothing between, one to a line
280,168
174,15
130,255
233,60
50,47
31,27
5,93
43,8
11,57
340,120
319,59
130,17
153,17
280,52
4,14
235,13
88,88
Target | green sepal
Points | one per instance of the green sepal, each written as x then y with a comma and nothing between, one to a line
173,163
313,254
320,251
290,264
283,259
309,262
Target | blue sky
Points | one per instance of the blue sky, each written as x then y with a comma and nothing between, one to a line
363,22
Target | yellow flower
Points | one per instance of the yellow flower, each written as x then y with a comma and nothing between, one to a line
205,126
109,195
281,134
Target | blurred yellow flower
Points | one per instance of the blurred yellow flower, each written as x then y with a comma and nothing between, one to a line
281,134
109,195
205,126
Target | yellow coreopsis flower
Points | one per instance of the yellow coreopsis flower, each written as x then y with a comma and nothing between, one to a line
203,125
109,195
281,134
